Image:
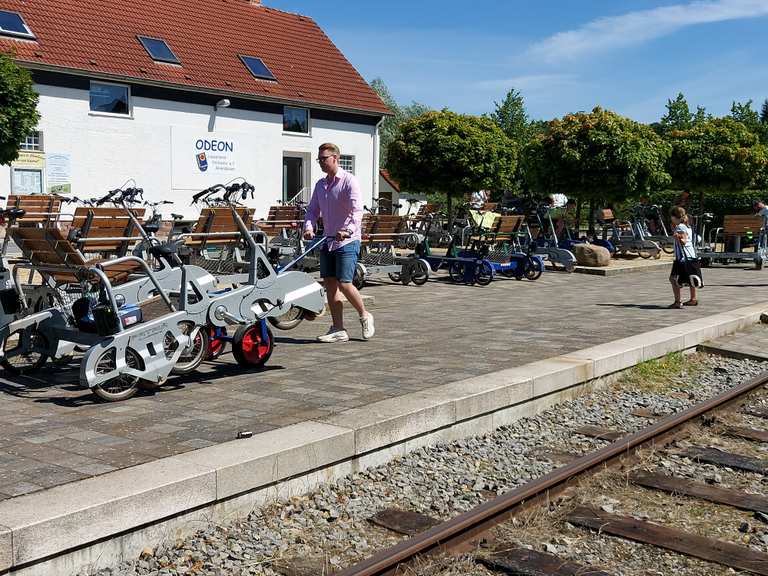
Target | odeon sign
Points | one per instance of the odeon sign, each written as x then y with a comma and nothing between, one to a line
214,145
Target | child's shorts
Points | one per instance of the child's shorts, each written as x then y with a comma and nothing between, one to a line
687,273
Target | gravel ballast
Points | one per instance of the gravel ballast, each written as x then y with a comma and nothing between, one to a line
328,528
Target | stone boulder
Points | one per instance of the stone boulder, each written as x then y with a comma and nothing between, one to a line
591,255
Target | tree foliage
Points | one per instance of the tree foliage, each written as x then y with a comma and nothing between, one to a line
453,153
511,117
742,112
718,155
679,115
764,112
391,125
18,108
596,156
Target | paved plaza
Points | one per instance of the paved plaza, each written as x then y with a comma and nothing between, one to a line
55,432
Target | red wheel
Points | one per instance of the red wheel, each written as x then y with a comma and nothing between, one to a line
252,345
216,344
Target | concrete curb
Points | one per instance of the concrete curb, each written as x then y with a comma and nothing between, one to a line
102,520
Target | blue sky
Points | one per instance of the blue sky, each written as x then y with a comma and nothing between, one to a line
563,55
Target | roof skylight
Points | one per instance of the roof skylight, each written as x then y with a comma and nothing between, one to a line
257,67
158,50
12,24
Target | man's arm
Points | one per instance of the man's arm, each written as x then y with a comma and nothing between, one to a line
354,220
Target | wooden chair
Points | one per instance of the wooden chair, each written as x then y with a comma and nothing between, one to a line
56,258
41,209
97,226
221,223
382,229
281,219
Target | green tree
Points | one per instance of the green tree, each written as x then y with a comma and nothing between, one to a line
678,116
599,156
719,155
18,108
391,125
452,153
743,113
764,112
511,117
701,115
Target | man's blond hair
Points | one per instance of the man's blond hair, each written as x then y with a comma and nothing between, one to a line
332,148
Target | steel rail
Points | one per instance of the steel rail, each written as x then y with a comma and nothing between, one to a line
473,522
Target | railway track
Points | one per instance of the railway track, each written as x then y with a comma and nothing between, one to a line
595,496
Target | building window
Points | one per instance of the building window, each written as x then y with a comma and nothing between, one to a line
33,143
347,163
257,67
296,120
110,98
158,50
12,24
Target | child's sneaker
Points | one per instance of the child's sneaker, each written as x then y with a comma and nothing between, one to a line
367,323
333,335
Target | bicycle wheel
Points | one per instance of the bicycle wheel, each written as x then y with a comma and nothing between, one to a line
420,273
533,269
395,277
484,273
120,387
289,320
193,355
456,271
24,353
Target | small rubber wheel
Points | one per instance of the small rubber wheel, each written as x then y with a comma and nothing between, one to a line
216,344
191,358
420,273
569,267
19,362
251,347
289,320
121,387
395,277
759,264
484,273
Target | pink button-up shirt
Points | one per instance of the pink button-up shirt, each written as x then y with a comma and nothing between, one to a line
340,204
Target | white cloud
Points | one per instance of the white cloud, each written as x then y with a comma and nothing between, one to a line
528,84
610,33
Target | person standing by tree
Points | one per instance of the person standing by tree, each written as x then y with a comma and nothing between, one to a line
337,199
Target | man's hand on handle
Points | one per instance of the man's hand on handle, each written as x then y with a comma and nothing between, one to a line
342,235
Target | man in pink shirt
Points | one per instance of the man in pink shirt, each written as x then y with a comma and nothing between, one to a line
337,199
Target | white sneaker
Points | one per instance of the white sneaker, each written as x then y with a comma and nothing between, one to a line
367,323
333,335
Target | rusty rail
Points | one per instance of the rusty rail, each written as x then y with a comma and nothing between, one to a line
468,525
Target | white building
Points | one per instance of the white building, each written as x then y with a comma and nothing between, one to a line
181,95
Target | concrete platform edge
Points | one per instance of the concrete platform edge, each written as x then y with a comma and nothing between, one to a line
89,524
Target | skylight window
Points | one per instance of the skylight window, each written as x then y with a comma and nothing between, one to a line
158,50
257,68
12,24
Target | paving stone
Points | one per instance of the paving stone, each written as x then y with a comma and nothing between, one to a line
436,335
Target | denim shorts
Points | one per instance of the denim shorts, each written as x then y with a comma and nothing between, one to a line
340,263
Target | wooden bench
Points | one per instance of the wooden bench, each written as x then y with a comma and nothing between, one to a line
97,224
738,226
221,223
426,210
41,209
381,229
281,218
49,251
505,228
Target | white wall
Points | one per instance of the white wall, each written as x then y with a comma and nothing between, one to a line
106,150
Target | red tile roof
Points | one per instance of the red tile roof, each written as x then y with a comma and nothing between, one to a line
99,37
388,178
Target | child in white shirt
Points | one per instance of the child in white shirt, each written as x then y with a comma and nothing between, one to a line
686,270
